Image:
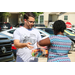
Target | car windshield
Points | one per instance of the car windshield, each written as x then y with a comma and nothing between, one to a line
69,31
12,31
50,31
22,24
7,24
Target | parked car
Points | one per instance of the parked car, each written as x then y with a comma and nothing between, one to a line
50,26
68,32
73,27
48,30
39,25
9,33
5,26
19,25
6,54
72,30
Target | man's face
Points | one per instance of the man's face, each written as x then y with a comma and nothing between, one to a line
29,23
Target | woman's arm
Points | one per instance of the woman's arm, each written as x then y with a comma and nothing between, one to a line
44,42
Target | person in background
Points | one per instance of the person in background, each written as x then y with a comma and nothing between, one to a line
58,44
26,38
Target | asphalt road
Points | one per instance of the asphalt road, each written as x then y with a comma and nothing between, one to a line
71,55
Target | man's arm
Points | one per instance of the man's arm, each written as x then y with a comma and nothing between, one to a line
17,44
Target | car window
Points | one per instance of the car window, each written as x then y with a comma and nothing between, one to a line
42,34
12,31
65,33
39,25
73,31
7,24
69,31
50,31
22,24
42,25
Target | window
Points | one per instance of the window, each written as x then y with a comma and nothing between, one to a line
42,34
11,31
36,19
65,17
41,19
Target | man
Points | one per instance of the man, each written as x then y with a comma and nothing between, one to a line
26,39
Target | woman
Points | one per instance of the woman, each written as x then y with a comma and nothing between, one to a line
58,44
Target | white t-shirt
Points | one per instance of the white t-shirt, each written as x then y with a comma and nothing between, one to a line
26,35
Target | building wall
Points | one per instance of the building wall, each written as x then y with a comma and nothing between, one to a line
71,17
61,17
13,19
46,17
54,17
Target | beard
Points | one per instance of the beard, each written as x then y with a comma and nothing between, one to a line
28,26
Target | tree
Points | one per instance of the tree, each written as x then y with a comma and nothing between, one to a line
35,13
4,14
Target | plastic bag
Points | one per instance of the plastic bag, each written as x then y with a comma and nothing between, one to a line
39,52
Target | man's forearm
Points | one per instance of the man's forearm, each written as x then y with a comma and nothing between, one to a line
20,45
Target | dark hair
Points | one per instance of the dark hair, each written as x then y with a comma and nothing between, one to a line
59,26
28,14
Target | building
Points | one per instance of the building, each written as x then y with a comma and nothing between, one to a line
45,18
53,16
14,18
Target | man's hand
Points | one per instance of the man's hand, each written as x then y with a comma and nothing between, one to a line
29,46
17,44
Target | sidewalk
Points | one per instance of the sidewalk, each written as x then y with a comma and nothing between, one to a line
41,59
71,56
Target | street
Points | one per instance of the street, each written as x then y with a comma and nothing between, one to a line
71,55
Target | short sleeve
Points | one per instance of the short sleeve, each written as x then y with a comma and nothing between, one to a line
16,35
38,37
50,38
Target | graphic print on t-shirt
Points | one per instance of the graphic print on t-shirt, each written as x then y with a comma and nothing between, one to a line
31,38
